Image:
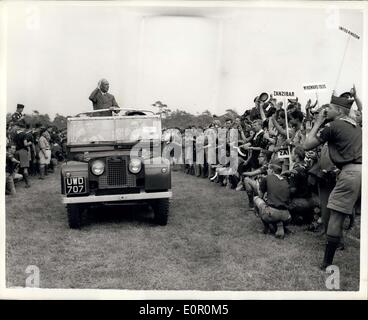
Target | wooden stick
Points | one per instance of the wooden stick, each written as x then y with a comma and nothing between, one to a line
287,133
342,62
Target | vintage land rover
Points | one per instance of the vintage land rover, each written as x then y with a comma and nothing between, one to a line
115,159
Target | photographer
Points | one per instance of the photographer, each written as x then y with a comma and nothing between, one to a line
344,137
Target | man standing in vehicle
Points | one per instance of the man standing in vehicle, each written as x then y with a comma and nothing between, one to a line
101,99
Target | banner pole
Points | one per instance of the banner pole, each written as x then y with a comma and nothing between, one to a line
317,98
342,61
287,133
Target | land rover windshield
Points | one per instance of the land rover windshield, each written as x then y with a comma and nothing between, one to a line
113,130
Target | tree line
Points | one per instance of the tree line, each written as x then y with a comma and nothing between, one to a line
37,119
173,119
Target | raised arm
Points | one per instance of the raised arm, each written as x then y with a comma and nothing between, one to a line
311,141
252,173
261,111
267,137
277,126
315,103
356,98
93,95
242,134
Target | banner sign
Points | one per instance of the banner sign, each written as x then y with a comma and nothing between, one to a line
283,154
283,94
315,87
349,32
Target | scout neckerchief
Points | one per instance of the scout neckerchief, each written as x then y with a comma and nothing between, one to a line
348,120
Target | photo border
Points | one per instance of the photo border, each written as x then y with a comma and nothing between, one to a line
29,293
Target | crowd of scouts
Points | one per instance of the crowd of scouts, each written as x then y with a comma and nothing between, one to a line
30,151
295,166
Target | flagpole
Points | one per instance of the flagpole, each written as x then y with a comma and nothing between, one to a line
342,61
287,133
317,98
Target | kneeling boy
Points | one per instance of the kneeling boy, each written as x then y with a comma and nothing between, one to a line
272,208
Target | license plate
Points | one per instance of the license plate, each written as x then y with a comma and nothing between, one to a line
75,185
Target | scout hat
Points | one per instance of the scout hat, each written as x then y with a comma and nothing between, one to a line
263,96
342,102
345,95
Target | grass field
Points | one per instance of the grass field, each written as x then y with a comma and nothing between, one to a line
212,242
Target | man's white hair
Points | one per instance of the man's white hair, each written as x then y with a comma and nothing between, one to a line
103,80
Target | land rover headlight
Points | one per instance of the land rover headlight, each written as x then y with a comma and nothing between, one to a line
98,167
135,165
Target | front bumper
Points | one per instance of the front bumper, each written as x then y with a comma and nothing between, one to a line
117,197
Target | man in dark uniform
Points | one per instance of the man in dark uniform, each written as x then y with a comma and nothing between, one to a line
11,164
17,116
101,99
257,142
344,138
23,142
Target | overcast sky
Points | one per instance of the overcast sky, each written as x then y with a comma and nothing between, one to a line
189,58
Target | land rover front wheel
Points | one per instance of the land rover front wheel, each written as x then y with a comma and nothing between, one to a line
161,211
74,216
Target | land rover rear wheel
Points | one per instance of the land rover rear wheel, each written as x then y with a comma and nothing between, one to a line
161,211
74,216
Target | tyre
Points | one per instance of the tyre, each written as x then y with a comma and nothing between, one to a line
74,216
161,211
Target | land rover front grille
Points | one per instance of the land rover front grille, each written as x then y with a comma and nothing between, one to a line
116,174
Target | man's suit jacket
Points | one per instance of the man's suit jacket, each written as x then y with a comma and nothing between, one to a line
102,101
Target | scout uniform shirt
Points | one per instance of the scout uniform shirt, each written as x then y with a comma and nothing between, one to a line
344,138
